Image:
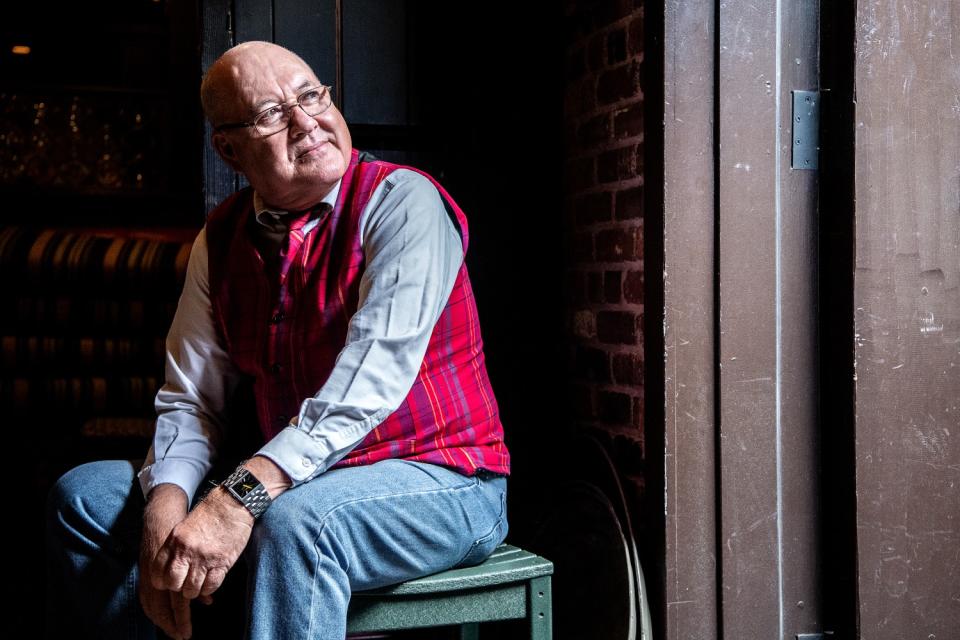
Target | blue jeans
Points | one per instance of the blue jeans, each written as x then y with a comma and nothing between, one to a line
346,530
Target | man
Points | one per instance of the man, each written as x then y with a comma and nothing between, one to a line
336,285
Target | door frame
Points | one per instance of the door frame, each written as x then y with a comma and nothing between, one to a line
738,252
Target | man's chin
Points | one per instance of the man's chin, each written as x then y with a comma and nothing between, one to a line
327,170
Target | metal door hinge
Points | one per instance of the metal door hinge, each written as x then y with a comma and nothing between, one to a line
806,131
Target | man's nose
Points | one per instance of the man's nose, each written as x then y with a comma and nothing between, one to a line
300,122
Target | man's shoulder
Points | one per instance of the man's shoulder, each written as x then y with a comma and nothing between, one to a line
397,173
404,188
410,179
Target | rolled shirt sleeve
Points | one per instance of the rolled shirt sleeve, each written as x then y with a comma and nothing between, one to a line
413,253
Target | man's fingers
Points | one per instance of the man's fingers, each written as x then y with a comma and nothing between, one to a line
158,568
171,575
181,614
156,606
193,582
214,579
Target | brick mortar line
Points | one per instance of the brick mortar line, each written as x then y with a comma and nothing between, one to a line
607,108
617,427
610,225
609,144
605,307
605,30
599,188
609,266
635,141
625,185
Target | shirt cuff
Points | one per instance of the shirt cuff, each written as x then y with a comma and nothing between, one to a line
182,473
303,456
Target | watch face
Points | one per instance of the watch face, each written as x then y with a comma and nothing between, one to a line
244,485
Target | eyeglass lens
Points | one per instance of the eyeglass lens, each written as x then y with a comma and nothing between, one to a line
313,102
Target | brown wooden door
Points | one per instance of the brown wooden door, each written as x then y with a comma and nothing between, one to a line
907,318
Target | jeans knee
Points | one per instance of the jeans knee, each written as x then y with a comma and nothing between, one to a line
81,496
64,501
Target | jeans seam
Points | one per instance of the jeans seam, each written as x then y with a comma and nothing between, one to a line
497,527
133,607
313,586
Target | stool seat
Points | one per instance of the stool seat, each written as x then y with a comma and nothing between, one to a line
511,584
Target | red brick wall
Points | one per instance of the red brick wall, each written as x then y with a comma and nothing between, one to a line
603,116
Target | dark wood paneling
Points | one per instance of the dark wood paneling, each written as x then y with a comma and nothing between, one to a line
688,323
376,85
252,20
216,26
907,318
309,29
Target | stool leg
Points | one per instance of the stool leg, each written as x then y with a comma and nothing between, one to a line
540,608
470,631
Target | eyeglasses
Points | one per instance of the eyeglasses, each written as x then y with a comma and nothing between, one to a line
277,118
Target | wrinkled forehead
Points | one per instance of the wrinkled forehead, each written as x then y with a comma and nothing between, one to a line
262,78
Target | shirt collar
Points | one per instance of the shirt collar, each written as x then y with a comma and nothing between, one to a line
272,218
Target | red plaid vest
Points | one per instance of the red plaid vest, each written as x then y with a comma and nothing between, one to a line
286,333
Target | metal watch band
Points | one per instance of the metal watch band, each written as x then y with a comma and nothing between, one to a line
256,500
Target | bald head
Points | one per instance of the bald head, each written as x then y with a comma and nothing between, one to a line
223,84
294,167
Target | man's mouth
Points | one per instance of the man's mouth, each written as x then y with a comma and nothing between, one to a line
310,149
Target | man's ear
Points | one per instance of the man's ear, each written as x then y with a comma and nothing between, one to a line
225,150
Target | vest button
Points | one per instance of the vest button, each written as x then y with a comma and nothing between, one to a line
277,317
277,367
282,420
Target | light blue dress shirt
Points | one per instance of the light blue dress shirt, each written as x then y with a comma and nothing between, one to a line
412,252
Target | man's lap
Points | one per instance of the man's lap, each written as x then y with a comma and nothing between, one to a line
396,519
399,518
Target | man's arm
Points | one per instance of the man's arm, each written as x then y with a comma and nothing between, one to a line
412,253
199,379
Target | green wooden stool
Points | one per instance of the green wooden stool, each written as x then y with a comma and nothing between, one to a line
510,584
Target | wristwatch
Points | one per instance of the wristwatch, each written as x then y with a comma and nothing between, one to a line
245,487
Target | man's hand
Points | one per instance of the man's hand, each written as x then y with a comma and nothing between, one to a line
188,556
200,550
170,611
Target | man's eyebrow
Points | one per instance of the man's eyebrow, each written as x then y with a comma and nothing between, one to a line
260,106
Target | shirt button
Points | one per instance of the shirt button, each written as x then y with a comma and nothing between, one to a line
306,462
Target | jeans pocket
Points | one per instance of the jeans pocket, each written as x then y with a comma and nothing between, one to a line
481,549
